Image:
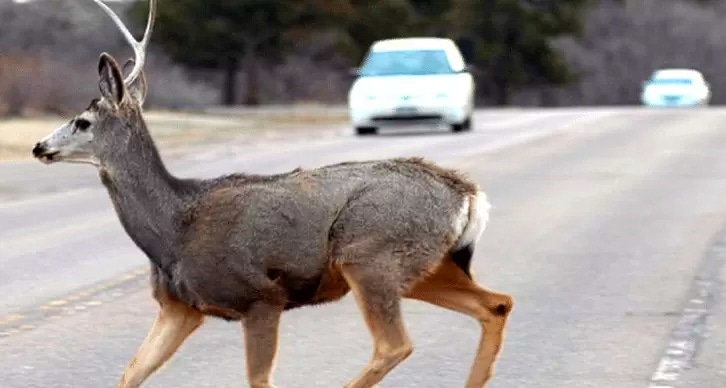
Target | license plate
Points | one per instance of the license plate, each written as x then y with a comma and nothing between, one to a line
406,110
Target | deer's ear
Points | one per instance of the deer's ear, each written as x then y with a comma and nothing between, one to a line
110,81
137,89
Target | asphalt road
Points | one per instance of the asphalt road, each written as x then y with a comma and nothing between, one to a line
608,227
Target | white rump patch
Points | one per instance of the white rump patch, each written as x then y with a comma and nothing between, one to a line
472,219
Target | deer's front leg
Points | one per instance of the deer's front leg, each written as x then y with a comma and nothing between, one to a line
172,326
261,325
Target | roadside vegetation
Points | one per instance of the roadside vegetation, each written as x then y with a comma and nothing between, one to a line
526,52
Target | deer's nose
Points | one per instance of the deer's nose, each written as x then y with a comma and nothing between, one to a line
38,150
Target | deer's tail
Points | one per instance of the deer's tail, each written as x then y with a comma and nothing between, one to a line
470,224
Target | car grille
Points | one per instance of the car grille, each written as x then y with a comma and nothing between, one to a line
672,98
403,117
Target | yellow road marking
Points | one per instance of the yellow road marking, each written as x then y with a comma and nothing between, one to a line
11,318
80,301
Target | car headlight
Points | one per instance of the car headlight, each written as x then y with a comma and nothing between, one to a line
360,98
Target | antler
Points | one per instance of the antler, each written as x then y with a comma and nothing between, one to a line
139,47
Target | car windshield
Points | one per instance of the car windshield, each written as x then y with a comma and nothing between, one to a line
671,81
405,62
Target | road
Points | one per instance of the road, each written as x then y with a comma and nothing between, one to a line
608,228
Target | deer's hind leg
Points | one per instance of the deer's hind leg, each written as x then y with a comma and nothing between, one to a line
449,287
379,301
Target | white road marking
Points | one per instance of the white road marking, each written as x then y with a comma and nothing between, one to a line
685,340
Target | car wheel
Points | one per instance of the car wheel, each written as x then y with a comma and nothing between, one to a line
363,131
464,126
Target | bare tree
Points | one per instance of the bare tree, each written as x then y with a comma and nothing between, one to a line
624,43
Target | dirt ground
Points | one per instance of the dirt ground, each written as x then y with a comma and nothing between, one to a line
176,131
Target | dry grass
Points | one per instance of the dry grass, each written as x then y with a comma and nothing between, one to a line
175,131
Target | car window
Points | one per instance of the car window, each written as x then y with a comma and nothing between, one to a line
406,62
671,81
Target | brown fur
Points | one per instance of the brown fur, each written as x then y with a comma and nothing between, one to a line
453,178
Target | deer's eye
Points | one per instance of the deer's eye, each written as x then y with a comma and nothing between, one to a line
82,124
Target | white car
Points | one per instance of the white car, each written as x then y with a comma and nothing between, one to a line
408,81
676,87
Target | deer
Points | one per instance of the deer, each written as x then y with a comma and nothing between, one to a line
247,247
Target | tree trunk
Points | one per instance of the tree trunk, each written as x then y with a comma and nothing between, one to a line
229,89
252,93
501,93
547,96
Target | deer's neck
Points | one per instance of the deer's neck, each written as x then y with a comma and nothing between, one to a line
149,201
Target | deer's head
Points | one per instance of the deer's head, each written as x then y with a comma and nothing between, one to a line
96,131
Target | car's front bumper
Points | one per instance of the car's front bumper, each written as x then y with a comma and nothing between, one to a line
673,101
414,113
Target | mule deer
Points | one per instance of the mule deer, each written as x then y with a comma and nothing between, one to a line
246,247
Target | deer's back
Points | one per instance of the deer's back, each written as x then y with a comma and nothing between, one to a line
259,233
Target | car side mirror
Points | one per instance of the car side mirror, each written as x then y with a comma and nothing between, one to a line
468,68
